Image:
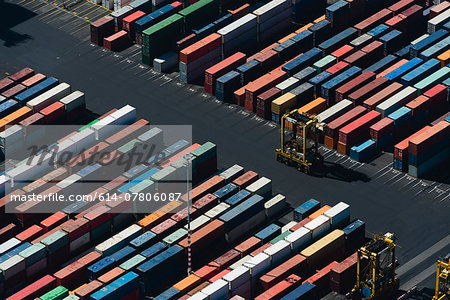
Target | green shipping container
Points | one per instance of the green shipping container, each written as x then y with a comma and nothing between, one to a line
204,153
72,297
58,293
435,78
132,263
88,125
128,146
56,241
175,237
280,237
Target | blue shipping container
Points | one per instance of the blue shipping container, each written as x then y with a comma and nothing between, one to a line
226,191
118,288
420,72
338,40
397,73
401,116
36,90
307,208
436,49
364,152
382,64
14,251
379,30
268,233
143,240
328,88
305,291
238,197
153,250
318,80
427,42
242,211
124,188
302,61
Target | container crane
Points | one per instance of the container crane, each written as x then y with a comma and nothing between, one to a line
376,269
443,279
301,148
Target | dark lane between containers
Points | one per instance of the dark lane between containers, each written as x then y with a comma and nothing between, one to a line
240,139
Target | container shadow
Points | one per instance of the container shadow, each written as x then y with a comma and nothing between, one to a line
12,15
417,294
339,172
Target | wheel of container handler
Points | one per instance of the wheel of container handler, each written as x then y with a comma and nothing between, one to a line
306,170
279,158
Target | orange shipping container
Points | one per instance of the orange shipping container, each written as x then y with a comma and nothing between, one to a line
304,27
245,179
239,96
287,37
211,233
15,117
209,186
314,107
200,48
281,289
188,283
444,58
248,246
319,212
392,68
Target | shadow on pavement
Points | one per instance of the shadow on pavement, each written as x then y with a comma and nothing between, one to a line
339,172
12,15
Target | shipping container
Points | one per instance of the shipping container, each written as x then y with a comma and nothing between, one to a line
382,95
328,88
332,134
427,42
346,89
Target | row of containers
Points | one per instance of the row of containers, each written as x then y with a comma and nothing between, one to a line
27,98
304,259
365,83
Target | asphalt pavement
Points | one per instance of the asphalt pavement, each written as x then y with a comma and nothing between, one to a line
417,211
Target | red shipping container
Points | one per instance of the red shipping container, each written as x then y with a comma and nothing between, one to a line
53,112
438,98
264,102
75,273
268,48
419,105
321,279
209,186
205,203
8,231
200,48
260,249
181,216
30,233
166,227
178,5
239,96
359,59
75,228
207,272
300,224
412,14
269,59
115,183
36,289
358,130
13,91
21,75
282,288
128,132
401,149
375,50
373,21
429,138
88,289
245,179
392,68
398,22
97,216
101,28
295,265
382,95
128,22
107,114
343,275
110,276
399,6
368,90
343,52
54,220
187,41
437,9
219,275
228,258
344,90
6,84
338,68
35,79
203,237
248,246
220,69
334,126
261,85
381,128
116,42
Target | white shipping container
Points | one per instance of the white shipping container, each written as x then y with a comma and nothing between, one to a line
437,22
198,222
38,252
338,214
217,290
12,266
103,128
123,236
299,239
240,262
67,182
237,277
288,226
420,39
83,140
73,101
164,178
11,135
36,267
271,9
80,242
396,101
9,245
217,210
278,252
262,187
232,173
319,227
258,266
49,97
275,205
199,296
166,62
26,172
335,111
238,27
124,116
288,84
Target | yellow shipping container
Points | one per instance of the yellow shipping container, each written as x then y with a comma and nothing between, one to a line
324,249
287,37
284,103
304,27
314,107
444,58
